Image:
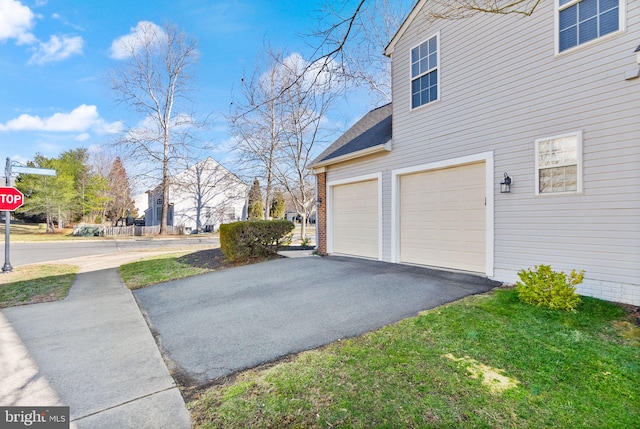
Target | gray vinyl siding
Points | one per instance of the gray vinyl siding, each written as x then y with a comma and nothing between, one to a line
502,87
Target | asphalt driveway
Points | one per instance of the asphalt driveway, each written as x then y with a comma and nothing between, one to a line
216,324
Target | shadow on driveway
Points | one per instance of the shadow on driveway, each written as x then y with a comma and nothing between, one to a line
217,324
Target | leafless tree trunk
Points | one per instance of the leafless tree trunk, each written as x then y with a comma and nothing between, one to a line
157,74
256,121
305,102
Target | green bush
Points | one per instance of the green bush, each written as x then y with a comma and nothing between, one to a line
240,241
544,287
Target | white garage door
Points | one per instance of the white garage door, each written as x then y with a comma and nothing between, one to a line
355,219
442,218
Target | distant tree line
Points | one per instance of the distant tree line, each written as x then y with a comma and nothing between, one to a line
83,190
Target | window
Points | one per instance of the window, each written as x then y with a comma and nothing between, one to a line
558,164
424,73
580,21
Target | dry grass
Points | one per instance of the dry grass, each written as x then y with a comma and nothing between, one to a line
31,284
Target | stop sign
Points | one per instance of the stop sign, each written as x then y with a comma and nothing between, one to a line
10,199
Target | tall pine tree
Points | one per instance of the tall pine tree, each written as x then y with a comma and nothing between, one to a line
120,196
256,208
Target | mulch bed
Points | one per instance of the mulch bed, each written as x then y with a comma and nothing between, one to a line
213,259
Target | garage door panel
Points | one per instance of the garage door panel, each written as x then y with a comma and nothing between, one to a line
442,218
355,219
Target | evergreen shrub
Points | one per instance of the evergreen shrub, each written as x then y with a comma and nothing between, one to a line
544,287
241,241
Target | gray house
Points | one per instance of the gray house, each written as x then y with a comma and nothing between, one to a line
511,142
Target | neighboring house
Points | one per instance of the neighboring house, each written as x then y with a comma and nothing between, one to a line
153,214
551,100
201,197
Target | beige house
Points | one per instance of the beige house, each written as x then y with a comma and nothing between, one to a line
547,104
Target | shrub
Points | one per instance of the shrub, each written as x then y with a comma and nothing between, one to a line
544,287
240,241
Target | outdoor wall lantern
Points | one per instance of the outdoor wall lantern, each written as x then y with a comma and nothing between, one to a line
319,200
505,185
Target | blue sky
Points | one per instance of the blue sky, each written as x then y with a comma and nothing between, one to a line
55,59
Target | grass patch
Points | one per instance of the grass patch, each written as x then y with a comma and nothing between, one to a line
147,272
485,361
36,283
176,266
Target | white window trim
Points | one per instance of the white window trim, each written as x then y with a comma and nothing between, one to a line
622,18
487,158
578,135
329,196
439,68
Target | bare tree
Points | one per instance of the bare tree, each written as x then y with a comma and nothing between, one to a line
458,9
305,102
154,81
354,35
212,191
255,119
280,124
374,24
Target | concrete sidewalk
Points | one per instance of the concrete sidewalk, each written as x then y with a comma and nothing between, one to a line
92,352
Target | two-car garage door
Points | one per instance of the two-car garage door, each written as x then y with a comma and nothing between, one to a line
442,217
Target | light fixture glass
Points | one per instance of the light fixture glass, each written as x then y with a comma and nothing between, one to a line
505,185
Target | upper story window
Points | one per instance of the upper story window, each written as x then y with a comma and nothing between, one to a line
559,165
424,72
580,21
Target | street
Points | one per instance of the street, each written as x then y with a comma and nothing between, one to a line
24,253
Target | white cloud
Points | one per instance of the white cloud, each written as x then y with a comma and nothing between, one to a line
57,49
80,120
16,20
143,33
82,137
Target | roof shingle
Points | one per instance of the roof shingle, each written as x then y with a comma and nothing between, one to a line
372,130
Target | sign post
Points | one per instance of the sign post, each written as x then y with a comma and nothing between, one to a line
11,199
7,222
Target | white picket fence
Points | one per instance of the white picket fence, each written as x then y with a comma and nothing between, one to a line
125,231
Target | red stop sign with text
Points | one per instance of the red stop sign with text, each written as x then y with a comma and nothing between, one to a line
10,199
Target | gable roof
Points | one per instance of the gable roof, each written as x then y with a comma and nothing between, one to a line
371,134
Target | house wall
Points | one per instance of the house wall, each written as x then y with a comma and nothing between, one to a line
222,197
224,205
502,87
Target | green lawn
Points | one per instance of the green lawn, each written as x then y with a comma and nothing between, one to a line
487,361
31,284
155,270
